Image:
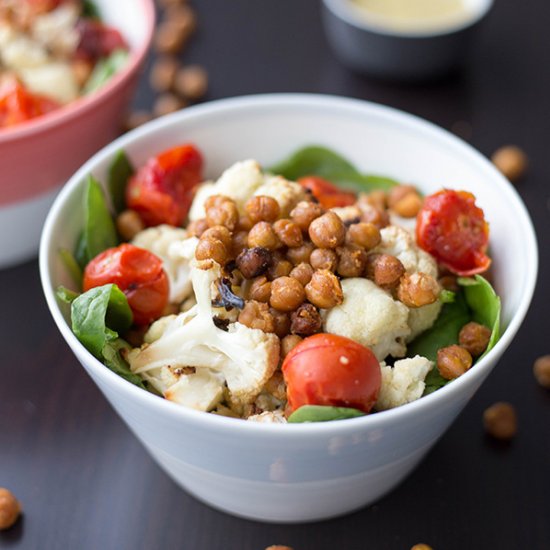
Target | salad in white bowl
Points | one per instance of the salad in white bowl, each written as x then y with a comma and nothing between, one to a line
301,292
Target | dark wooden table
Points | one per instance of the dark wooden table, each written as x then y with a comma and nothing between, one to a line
84,480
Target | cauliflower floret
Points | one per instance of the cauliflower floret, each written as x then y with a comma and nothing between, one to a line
370,316
57,29
245,358
348,214
19,51
269,417
55,79
175,250
402,383
239,182
400,243
287,193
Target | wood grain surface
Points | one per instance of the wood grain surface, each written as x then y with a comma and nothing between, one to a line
86,483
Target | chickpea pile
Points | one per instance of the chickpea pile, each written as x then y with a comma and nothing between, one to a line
287,269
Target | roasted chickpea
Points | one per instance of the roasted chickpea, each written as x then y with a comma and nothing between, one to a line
253,262
449,282
244,224
417,290
282,322
352,261
300,254
306,320
10,509
453,361
219,232
221,210
280,268
511,161
256,315
371,214
324,258
260,289
262,209
304,213
421,546
324,289
289,233
212,249
239,242
377,198
276,386
303,273
366,235
475,338
286,294
129,224
288,343
262,234
327,231
500,421
197,227
384,269
191,82
405,201
541,370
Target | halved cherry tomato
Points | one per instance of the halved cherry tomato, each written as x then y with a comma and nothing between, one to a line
162,191
138,273
328,194
453,229
97,40
326,369
17,104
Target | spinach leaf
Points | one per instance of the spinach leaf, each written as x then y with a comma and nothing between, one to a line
320,161
89,10
99,229
485,306
66,295
97,314
105,69
72,266
113,359
321,413
120,171
444,332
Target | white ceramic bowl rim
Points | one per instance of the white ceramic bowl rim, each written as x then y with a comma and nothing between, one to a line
343,9
83,104
232,105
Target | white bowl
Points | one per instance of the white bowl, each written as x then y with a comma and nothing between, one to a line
294,473
365,45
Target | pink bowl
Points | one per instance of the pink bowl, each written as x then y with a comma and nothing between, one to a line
38,156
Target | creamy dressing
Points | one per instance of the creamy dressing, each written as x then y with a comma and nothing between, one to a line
414,15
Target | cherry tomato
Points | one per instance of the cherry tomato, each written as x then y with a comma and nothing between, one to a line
453,229
162,191
328,194
18,104
97,40
326,369
138,273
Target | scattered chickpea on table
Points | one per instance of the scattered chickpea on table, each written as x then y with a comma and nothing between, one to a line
10,509
500,421
511,161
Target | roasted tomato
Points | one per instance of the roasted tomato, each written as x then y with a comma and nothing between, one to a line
162,191
326,369
97,40
138,273
453,229
18,104
328,194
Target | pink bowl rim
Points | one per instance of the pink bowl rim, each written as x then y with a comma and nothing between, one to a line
87,103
